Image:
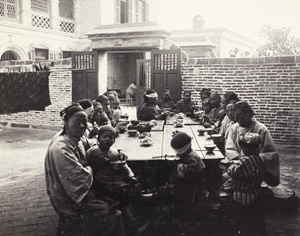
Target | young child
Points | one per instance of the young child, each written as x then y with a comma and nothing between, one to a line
186,182
114,181
182,198
116,110
246,174
97,119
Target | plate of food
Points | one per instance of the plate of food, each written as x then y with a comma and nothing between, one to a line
144,135
179,124
146,142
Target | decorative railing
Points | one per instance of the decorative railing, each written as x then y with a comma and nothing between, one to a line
40,21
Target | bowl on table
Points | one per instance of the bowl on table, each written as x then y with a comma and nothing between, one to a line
216,137
143,128
117,165
210,147
201,131
132,132
135,122
122,129
209,131
125,116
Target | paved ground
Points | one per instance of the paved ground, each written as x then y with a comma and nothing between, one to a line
24,204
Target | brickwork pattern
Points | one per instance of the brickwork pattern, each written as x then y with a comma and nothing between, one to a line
60,88
271,85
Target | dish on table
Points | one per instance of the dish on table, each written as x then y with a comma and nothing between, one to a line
201,131
132,132
146,142
210,147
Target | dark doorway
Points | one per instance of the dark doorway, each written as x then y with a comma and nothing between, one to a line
84,75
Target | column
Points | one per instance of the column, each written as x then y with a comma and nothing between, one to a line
54,14
25,12
76,16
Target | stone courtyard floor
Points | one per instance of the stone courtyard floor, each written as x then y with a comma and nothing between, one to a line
25,207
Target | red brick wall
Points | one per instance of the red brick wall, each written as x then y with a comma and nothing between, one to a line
271,85
60,88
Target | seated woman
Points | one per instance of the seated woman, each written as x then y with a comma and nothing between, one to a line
112,183
204,116
227,122
204,94
243,115
185,105
69,180
166,101
149,109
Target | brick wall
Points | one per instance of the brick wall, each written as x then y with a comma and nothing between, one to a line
271,85
60,88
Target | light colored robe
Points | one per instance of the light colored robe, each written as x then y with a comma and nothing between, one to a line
267,149
67,180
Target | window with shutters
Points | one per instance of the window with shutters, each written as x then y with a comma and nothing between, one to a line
66,9
41,54
141,11
40,5
67,54
8,10
124,11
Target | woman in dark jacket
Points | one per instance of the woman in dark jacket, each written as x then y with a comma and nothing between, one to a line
149,109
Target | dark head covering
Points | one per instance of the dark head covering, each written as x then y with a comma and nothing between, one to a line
104,128
181,142
97,105
102,98
85,103
206,91
229,96
69,111
244,107
188,91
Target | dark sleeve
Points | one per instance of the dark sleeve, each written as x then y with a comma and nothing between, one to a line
146,113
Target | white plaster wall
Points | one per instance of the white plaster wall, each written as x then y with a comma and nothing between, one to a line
23,38
102,72
107,12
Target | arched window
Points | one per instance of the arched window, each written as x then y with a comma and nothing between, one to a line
9,56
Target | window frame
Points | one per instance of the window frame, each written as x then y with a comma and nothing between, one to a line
44,50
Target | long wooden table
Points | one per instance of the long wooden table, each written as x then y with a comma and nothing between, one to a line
161,143
150,161
133,149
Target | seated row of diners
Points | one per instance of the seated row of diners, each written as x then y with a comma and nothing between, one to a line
97,189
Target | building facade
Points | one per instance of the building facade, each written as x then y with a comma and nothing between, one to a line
120,31
51,29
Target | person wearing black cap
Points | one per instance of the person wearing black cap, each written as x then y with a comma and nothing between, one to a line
185,191
149,109
69,180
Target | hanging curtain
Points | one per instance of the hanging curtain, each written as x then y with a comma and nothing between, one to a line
26,91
